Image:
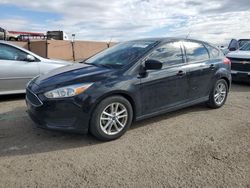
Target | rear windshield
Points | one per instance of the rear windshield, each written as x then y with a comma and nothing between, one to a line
121,54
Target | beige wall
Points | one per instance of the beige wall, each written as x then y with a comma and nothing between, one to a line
57,49
39,47
84,50
21,44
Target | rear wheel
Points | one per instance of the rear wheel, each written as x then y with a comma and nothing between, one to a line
12,39
111,118
218,95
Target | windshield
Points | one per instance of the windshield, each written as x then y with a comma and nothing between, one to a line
243,42
246,47
121,54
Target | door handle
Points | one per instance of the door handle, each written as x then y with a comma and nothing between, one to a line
212,66
181,73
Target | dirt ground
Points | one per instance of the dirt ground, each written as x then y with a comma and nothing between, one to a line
193,147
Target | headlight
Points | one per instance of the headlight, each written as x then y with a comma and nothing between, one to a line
68,91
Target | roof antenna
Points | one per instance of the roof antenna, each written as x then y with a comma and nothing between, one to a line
188,34
108,43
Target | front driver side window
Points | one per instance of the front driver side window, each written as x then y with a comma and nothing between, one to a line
169,54
10,53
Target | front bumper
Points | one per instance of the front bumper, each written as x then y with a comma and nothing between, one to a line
63,115
240,76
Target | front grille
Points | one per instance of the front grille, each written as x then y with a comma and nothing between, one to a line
240,64
33,98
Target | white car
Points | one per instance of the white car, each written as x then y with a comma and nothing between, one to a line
18,66
240,63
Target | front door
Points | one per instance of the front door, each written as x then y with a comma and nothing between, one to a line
15,71
165,88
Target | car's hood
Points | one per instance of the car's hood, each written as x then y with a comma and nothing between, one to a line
239,54
71,74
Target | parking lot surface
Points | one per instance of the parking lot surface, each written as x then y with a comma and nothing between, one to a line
192,147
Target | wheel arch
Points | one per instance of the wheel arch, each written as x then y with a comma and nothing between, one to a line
224,74
227,80
124,94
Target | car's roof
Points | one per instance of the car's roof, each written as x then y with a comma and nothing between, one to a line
7,42
244,40
166,39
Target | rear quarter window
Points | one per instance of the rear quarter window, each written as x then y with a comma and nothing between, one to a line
195,51
213,52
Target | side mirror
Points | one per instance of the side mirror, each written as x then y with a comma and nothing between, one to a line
232,49
233,45
30,58
152,64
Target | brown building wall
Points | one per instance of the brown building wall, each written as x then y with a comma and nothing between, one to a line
21,44
39,48
57,49
86,49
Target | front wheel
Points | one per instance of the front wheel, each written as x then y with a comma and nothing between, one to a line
111,118
218,95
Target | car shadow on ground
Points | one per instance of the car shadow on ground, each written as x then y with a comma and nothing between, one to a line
19,136
14,97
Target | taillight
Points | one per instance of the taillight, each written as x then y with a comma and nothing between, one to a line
227,61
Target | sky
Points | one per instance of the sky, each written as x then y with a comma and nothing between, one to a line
215,21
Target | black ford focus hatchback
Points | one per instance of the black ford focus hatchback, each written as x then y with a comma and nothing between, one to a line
128,82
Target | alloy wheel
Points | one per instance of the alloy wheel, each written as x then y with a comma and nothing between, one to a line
113,118
220,93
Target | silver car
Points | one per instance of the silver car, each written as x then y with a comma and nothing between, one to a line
18,66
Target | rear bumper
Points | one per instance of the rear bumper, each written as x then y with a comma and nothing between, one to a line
61,115
240,76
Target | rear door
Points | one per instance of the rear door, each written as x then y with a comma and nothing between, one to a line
200,69
15,71
165,88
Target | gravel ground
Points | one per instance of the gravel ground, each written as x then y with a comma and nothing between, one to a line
193,147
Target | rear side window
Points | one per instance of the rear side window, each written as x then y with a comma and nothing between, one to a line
214,52
169,54
195,51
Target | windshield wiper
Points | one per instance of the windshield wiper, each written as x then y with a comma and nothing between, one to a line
106,66
100,65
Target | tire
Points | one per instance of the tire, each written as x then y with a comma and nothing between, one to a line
218,97
107,124
12,39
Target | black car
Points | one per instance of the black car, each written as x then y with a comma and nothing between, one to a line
128,82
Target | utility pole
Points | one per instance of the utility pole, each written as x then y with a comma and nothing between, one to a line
4,34
73,46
